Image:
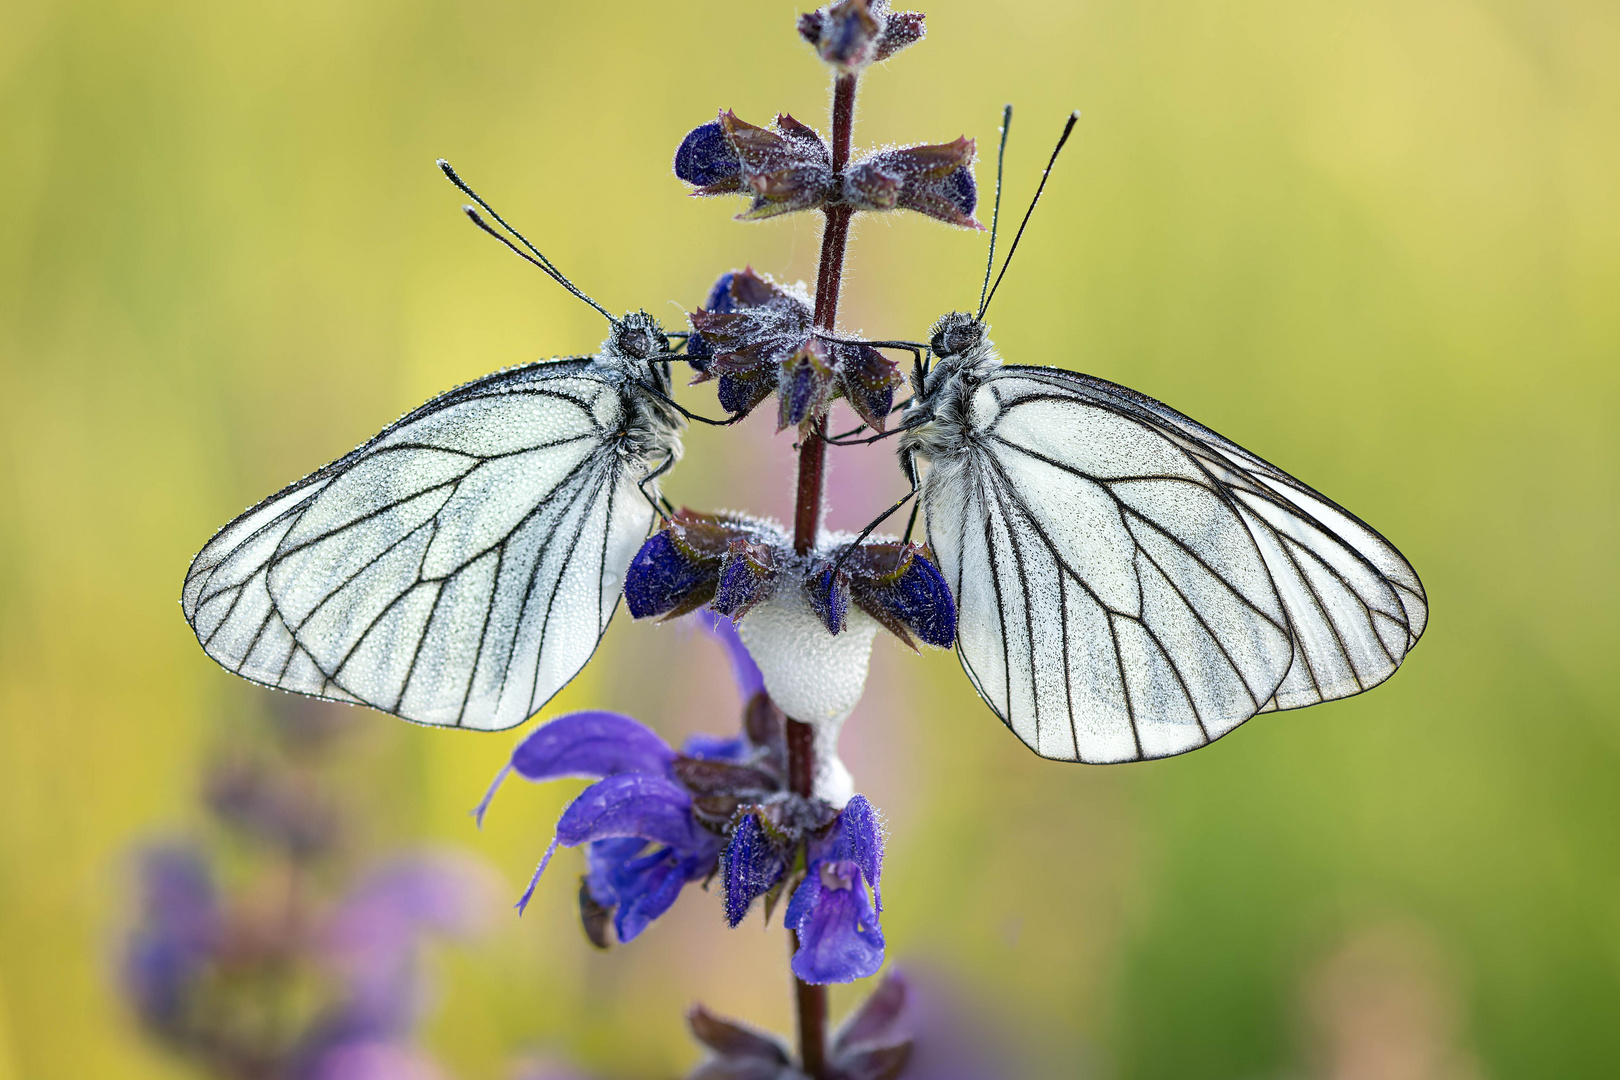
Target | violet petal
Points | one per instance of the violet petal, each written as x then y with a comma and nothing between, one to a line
752,866
839,938
860,840
631,804
595,744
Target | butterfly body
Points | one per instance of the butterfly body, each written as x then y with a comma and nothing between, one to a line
461,566
1130,584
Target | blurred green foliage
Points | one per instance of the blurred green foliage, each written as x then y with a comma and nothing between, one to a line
1377,241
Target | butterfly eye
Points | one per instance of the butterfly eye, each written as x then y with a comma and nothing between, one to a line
637,342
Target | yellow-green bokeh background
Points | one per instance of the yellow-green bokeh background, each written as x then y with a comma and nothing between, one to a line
1377,241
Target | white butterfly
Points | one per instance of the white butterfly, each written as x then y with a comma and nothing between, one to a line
1129,584
461,567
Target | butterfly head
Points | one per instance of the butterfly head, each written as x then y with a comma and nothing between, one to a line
963,355
961,347
956,335
638,338
637,354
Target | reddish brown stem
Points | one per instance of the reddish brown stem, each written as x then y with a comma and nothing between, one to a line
829,277
811,1001
812,1009
801,741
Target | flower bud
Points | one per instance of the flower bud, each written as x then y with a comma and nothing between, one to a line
747,575
896,584
667,577
681,566
706,160
783,170
699,351
936,180
805,384
852,34
867,380
753,863
749,327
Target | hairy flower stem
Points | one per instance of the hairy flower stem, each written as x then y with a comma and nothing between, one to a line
829,277
811,1001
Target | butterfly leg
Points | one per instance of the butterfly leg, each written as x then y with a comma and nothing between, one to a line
880,519
678,407
847,438
665,510
911,522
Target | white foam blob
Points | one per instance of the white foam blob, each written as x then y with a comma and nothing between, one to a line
815,677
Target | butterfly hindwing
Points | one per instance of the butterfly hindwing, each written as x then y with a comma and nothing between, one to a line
456,570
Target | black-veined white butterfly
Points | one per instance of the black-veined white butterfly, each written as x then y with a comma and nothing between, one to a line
460,567
1130,584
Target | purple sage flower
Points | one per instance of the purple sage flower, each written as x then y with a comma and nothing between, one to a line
372,1060
374,938
643,842
839,936
897,584
757,337
705,159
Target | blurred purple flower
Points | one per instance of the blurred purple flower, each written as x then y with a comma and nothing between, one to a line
272,805
178,930
372,1060
374,938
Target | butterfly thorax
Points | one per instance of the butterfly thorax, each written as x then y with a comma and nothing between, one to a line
634,359
936,422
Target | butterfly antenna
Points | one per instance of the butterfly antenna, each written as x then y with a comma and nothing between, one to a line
536,258
1067,128
995,215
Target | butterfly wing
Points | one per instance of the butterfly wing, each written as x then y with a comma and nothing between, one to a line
1131,585
1355,605
456,570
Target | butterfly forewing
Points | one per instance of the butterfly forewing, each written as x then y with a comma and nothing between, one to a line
457,570
1131,585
